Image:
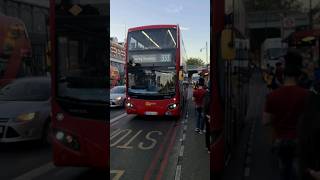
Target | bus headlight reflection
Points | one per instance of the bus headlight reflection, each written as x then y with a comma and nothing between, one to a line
68,140
172,106
130,105
60,116
60,135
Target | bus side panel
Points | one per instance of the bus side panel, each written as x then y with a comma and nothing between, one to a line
217,158
216,113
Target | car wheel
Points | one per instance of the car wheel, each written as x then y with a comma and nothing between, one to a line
46,133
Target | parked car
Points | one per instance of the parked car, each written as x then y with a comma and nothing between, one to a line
118,96
25,110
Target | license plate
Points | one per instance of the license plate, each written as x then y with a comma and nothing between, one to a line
1,130
151,113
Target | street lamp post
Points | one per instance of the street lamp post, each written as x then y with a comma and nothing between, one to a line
310,14
206,52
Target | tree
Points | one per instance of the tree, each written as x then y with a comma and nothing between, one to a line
195,62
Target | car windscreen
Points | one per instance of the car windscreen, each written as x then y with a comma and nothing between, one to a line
117,90
26,91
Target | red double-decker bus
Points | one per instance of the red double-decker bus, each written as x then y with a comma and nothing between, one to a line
15,49
154,71
229,85
79,36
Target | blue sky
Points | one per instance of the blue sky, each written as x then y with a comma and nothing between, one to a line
193,16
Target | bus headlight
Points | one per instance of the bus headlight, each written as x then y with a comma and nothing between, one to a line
60,116
59,135
67,139
172,106
130,105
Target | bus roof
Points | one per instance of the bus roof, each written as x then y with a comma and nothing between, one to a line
152,27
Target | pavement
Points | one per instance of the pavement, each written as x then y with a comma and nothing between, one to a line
252,158
196,161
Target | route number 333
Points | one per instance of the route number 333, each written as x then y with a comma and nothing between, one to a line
165,58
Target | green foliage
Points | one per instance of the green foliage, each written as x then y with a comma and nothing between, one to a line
195,62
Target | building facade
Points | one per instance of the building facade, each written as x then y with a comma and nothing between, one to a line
34,14
117,63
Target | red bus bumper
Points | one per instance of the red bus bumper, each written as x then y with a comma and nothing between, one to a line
153,107
88,157
92,138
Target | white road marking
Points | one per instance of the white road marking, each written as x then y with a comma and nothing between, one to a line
114,132
128,131
126,145
118,118
178,173
181,151
36,172
247,172
185,127
184,137
118,173
153,140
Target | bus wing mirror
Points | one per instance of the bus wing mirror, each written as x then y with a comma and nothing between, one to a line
181,76
228,50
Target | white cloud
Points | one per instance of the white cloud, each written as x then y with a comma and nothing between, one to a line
184,28
174,9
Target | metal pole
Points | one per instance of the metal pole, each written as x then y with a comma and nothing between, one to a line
125,32
310,14
5,7
207,52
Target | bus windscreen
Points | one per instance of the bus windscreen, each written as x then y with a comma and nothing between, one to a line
149,39
151,82
82,64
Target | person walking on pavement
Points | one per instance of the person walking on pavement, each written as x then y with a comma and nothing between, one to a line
283,108
198,95
270,79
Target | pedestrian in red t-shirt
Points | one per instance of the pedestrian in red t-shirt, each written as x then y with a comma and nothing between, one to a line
283,108
198,95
